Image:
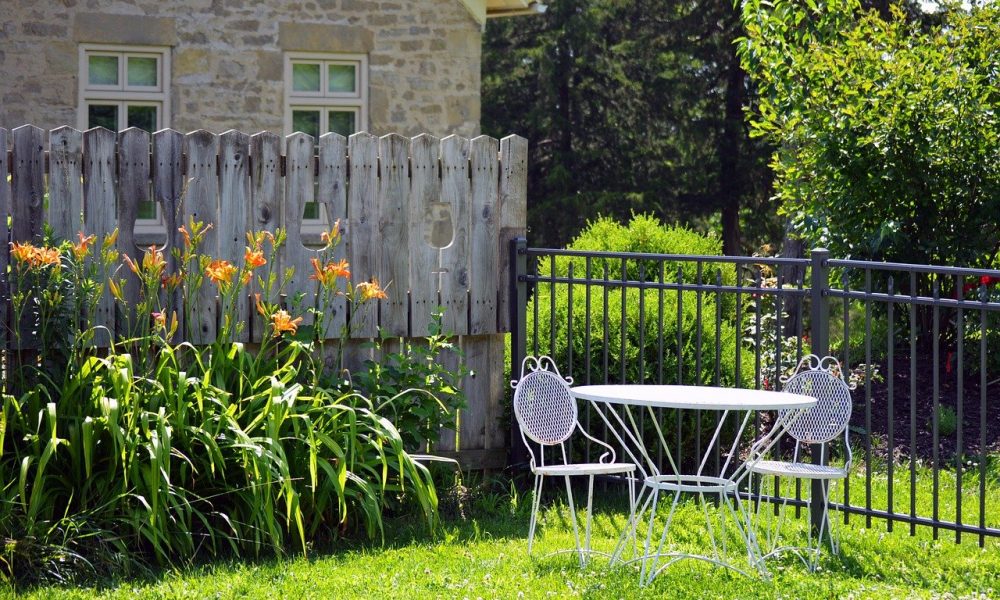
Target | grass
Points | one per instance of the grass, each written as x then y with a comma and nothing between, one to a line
484,556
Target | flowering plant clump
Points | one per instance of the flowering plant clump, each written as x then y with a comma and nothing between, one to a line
115,420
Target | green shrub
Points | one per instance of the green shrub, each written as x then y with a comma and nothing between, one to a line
660,308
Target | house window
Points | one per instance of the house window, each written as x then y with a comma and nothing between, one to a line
122,87
325,93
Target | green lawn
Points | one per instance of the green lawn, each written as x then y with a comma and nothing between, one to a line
484,556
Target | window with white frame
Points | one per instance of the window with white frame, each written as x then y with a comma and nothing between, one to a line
122,87
325,93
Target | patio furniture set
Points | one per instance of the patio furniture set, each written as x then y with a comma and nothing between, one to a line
813,407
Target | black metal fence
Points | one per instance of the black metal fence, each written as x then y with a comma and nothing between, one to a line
922,343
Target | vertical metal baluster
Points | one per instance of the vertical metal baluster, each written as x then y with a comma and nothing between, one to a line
984,297
718,365
680,356
588,274
868,399
569,319
588,268
642,324
697,356
935,423
624,330
569,341
913,402
959,402
659,357
846,283
891,426
642,336
534,307
607,284
552,305
758,301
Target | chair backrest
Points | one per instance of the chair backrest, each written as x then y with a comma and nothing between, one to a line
822,379
544,408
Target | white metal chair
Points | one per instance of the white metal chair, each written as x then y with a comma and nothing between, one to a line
547,415
826,421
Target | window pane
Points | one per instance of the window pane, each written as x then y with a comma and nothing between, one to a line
306,121
142,71
147,210
305,78
103,70
342,122
143,117
103,115
342,78
311,210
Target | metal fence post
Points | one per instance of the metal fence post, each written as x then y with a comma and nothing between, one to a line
819,329
518,336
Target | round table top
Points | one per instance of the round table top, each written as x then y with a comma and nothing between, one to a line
692,397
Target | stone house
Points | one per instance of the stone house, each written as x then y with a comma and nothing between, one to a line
406,66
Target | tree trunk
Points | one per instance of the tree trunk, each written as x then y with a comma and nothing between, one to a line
730,147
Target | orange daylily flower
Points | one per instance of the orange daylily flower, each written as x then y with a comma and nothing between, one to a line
22,252
332,237
260,305
160,320
327,274
220,272
284,322
131,264
82,248
254,258
171,281
187,236
370,290
153,261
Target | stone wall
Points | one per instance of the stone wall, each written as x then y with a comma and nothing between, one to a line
424,58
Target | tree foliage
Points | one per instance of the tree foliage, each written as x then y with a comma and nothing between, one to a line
887,130
625,108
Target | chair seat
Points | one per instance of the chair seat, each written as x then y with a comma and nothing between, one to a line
585,469
798,469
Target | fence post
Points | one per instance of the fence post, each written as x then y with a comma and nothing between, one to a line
518,335
819,329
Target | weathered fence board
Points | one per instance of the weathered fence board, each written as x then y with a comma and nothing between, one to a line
427,218
484,226
266,198
4,248
455,255
393,266
425,213
99,217
513,213
234,221
200,204
363,149
333,197
65,213
299,191
168,189
133,188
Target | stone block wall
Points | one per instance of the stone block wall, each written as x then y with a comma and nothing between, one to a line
227,58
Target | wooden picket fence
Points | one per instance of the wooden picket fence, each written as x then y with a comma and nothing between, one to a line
399,201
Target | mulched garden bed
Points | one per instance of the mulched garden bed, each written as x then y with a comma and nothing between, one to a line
971,427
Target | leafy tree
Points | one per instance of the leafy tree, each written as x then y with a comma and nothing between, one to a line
887,130
629,107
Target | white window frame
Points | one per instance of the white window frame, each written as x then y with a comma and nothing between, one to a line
124,95
323,101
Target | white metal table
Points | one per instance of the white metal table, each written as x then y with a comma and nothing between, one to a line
617,406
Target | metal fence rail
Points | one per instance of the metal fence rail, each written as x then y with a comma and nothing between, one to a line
923,343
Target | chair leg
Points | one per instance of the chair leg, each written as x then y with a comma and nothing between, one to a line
590,517
539,479
572,514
